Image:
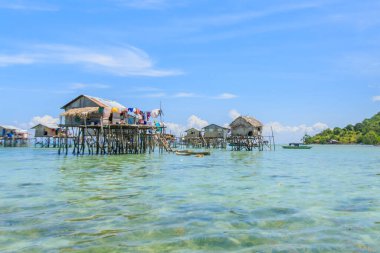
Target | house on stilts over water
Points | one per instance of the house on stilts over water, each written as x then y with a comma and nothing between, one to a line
247,134
193,138
101,126
211,136
46,135
215,136
11,136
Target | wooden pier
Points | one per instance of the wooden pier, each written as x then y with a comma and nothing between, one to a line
14,142
249,143
112,140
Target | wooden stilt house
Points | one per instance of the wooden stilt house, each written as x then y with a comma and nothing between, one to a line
246,133
46,135
102,126
215,136
11,136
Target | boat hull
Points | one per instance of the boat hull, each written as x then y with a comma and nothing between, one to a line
300,147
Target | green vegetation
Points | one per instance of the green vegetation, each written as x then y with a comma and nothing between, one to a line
366,132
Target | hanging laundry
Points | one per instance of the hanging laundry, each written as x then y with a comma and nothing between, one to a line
130,109
147,116
155,113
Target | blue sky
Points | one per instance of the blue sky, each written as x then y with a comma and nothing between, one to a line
296,65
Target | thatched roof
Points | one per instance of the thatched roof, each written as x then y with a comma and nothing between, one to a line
250,120
80,112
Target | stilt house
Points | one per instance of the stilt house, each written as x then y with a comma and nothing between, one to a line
193,133
215,131
246,126
88,110
46,130
7,131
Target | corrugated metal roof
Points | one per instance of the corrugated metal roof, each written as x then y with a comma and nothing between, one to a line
217,126
192,129
101,102
107,102
48,125
9,127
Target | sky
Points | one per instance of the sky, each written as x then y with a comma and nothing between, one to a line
297,66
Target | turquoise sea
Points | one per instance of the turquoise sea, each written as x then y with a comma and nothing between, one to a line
326,199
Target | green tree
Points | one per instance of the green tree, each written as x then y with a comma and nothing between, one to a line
349,127
370,138
337,131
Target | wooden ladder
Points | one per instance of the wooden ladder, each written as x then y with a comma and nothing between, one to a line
164,143
203,141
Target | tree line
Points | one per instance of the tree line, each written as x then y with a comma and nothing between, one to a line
366,132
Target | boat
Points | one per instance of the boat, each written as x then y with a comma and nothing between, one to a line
183,153
296,146
189,152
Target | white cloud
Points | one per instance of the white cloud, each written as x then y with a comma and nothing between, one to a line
376,98
196,122
279,128
8,60
239,17
192,122
226,96
175,128
155,95
285,134
233,114
46,119
185,95
122,61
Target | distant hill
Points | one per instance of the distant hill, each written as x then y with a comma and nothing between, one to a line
366,132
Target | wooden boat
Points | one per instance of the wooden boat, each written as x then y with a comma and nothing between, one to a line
189,152
183,153
296,146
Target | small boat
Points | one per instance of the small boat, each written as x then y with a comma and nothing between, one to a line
183,153
296,146
189,152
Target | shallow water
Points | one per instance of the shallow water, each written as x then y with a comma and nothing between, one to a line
326,199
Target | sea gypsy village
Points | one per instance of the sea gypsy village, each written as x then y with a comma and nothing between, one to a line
96,126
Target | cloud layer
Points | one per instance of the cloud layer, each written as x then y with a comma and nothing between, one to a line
121,61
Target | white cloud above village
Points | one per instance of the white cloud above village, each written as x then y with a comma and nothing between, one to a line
155,95
17,59
192,122
376,98
121,61
288,133
303,128
185,95
46,119
225,96
233,114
